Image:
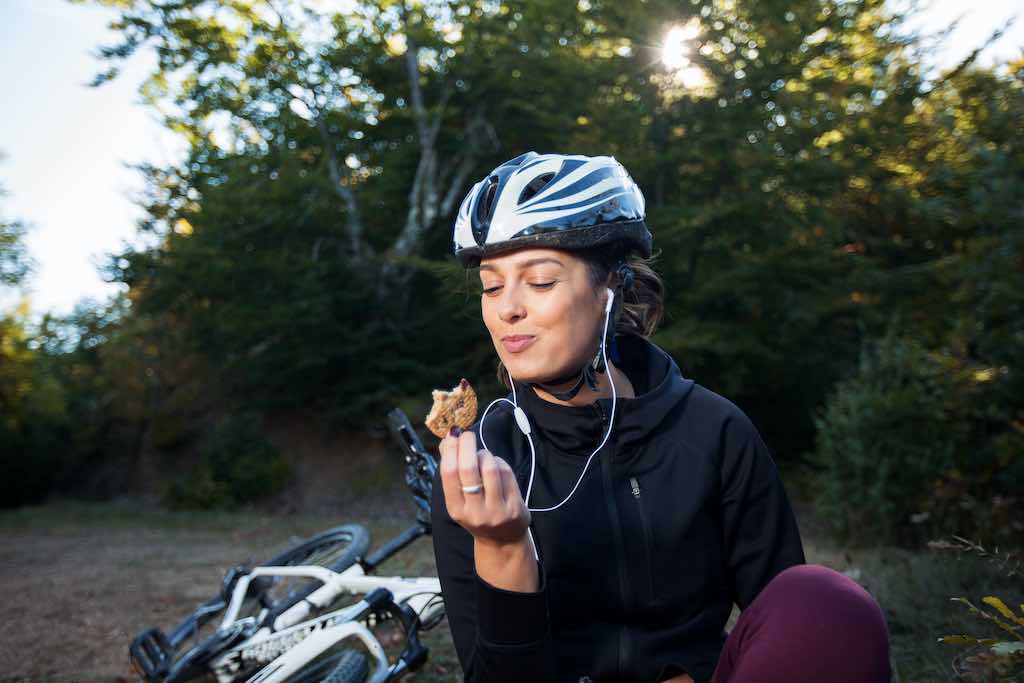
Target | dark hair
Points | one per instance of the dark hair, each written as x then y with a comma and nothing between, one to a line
643,305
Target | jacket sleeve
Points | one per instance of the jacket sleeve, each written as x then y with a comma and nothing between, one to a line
499,635
760,529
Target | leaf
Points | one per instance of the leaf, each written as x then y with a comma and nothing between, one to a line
1009,628
958,640
1003,609
1007,648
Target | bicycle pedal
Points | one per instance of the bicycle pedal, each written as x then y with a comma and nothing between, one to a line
151,655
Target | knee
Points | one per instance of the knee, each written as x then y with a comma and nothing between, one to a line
818,597
810,621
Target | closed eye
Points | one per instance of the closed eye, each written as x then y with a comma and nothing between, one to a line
539,285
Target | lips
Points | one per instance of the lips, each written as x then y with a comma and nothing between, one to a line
517,342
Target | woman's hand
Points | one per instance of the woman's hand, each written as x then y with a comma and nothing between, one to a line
496,514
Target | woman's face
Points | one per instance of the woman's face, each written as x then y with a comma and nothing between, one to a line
541,310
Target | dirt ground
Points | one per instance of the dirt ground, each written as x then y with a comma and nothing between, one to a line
80,595
81,580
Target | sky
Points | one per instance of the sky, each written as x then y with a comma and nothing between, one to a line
67,146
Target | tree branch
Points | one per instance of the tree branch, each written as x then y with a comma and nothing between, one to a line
353,222
458,183
412,68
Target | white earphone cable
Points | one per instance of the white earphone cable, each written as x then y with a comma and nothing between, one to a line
524,426
611,419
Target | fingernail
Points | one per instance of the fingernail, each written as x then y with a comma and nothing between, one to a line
455,430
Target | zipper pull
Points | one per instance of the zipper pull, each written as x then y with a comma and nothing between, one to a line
635,486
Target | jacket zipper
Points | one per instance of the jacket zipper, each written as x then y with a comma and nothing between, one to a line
619,546
635,487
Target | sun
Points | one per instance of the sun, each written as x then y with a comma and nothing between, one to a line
675,50
675,55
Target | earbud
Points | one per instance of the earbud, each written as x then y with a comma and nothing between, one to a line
626,276
611,298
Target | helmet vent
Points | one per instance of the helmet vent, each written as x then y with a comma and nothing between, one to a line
483,209
535,186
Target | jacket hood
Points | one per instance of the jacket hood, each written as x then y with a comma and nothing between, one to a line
577,430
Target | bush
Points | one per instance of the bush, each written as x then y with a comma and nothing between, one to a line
883,438
238,465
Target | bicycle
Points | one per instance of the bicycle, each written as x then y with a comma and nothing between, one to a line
283,620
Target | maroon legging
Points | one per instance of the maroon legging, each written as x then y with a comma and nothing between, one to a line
810,623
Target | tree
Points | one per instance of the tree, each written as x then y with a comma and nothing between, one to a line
279,231
789,165
15,262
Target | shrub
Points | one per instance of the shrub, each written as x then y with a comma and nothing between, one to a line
238,465
883,437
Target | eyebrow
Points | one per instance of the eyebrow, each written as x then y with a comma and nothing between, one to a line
526,264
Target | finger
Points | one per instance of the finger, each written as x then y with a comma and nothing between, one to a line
450,474
469,465
513,496
490,472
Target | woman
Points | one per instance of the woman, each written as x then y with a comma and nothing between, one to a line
598,524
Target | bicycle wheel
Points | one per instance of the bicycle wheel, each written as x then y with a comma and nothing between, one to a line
343,666
336,549
352,668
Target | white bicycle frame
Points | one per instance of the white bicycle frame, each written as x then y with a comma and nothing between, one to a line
294,643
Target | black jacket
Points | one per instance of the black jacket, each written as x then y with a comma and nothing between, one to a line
681,514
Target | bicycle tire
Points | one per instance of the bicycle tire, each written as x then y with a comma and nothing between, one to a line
336,549
352,668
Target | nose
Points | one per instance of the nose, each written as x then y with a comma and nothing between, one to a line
510,306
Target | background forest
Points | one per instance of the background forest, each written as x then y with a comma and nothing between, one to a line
841,235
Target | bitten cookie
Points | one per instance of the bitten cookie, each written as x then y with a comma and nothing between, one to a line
451,408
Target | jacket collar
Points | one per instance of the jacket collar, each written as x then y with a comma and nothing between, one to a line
577,430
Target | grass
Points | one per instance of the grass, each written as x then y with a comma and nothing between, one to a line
914,589
145,543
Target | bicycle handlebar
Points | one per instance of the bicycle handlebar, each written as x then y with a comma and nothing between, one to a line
422,468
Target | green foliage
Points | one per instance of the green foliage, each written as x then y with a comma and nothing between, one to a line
34,425
15,262
809,185
238,467
883,435
998,658
108,374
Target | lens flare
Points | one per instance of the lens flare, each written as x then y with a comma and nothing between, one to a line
676,49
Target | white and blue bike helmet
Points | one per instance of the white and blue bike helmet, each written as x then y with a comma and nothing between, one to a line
559,201
551,200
